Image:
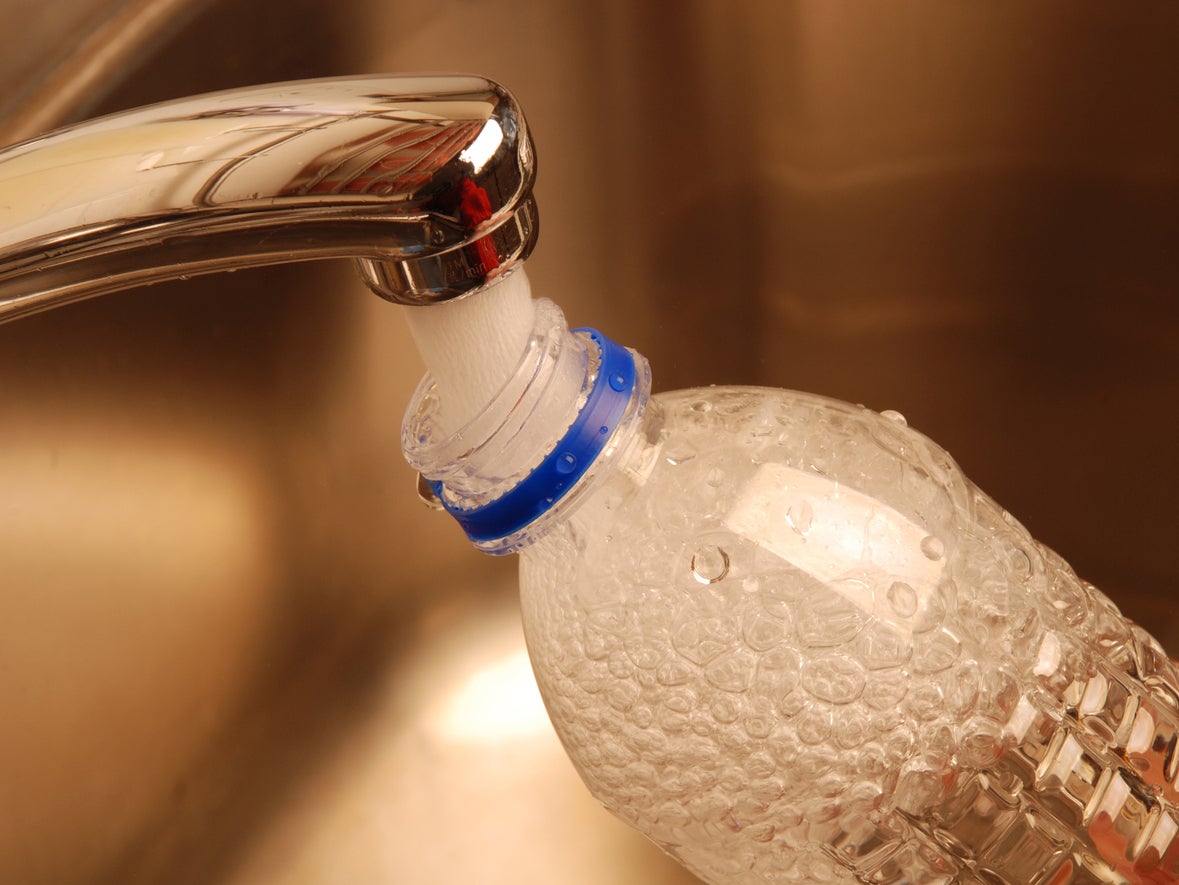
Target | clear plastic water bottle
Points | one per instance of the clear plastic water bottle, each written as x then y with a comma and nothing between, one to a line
789,641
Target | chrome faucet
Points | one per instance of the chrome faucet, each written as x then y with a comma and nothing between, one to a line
425,181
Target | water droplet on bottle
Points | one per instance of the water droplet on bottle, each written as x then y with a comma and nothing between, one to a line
617,382
895,416
715,477
903,599
1048,658
933,548
919,785
710,564
983,743
800,516
566,463
1021,563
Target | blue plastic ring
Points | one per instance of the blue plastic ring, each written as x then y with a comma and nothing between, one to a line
533,496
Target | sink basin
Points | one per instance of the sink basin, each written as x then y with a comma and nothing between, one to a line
234,646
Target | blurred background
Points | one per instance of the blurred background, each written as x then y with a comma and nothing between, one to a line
234,647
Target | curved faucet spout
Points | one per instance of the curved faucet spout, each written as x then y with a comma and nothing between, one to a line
425,181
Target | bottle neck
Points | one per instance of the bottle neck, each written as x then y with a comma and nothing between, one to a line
529,458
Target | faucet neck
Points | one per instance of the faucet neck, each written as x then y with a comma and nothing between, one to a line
426,181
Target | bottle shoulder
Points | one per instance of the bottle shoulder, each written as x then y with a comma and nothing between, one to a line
717,458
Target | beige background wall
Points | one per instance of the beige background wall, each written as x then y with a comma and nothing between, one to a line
230,640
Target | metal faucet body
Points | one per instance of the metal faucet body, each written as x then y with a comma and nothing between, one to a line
425,181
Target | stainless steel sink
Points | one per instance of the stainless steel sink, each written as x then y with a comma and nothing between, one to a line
233,645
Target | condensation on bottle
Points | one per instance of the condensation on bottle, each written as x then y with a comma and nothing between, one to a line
789,641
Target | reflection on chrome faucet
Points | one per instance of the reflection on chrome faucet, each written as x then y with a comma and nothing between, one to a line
426,181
